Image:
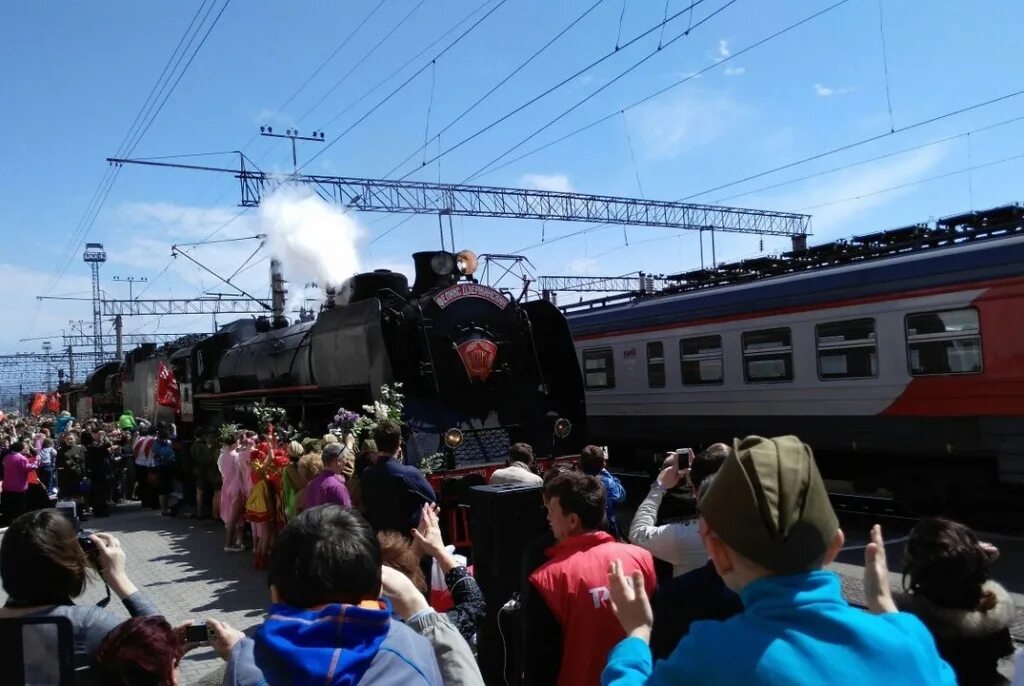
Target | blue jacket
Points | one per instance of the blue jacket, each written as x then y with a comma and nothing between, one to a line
795,630
614,494
393,494
337,645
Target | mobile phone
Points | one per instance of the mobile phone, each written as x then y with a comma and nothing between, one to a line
197,633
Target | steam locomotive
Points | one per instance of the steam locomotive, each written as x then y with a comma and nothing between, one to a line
478,369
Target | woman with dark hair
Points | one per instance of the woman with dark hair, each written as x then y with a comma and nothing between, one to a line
947,586
143,651
43,566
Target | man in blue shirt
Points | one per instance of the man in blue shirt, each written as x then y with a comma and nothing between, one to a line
393,494
769,530
594,461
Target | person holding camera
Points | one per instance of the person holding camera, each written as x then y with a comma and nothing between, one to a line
676,542
45,563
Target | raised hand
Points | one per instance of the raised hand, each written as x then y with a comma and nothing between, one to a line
630,603
405,598
427,536
877,590
670,476
223,637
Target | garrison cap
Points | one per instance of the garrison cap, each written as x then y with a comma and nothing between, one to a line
768,503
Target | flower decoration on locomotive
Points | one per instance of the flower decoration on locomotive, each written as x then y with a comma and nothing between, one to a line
362,425
267,415
432,463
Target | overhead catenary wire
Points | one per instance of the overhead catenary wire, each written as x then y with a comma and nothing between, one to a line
334,53
152,117
885,65
875,158
164,77
140,126
862,141
915,182
369,53
599,90
675,84
373,89
553,88
522,65
396,90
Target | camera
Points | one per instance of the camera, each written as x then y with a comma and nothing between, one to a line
86,543
197,633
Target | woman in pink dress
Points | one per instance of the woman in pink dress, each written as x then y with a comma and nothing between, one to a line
231,498
246,483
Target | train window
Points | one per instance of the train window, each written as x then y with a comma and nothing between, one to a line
701,360
656,364
599,368
944,342
847,350
767,356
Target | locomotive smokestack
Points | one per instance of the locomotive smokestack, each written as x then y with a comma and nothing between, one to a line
277,293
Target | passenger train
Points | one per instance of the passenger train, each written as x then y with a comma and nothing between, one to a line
898,356
479,370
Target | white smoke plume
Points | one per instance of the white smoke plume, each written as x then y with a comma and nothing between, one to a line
313,240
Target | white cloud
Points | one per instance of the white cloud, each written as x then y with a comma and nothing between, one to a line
669,127
735,71
827,92
723,49
582,266
547,182
273,118
860,185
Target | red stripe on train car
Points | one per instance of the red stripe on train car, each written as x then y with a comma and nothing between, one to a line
259,391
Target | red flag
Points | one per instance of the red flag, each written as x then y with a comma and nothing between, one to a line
53,402
38,404
167,393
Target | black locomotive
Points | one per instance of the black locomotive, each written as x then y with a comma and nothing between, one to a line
478,369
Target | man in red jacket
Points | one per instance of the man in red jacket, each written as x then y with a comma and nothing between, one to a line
568,621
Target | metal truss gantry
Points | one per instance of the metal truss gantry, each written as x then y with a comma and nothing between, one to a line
628,283
419,197
157,307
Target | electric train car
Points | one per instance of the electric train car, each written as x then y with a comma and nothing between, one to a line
898,356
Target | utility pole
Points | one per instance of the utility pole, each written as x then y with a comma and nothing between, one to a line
118,334
71,366
47,347
94,256
131,280
293,134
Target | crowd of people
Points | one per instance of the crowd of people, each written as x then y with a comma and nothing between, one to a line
719,576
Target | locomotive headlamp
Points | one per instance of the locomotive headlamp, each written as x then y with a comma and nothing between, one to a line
443,263
453,438
563,427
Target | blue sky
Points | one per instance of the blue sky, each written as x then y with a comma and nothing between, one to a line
75,75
